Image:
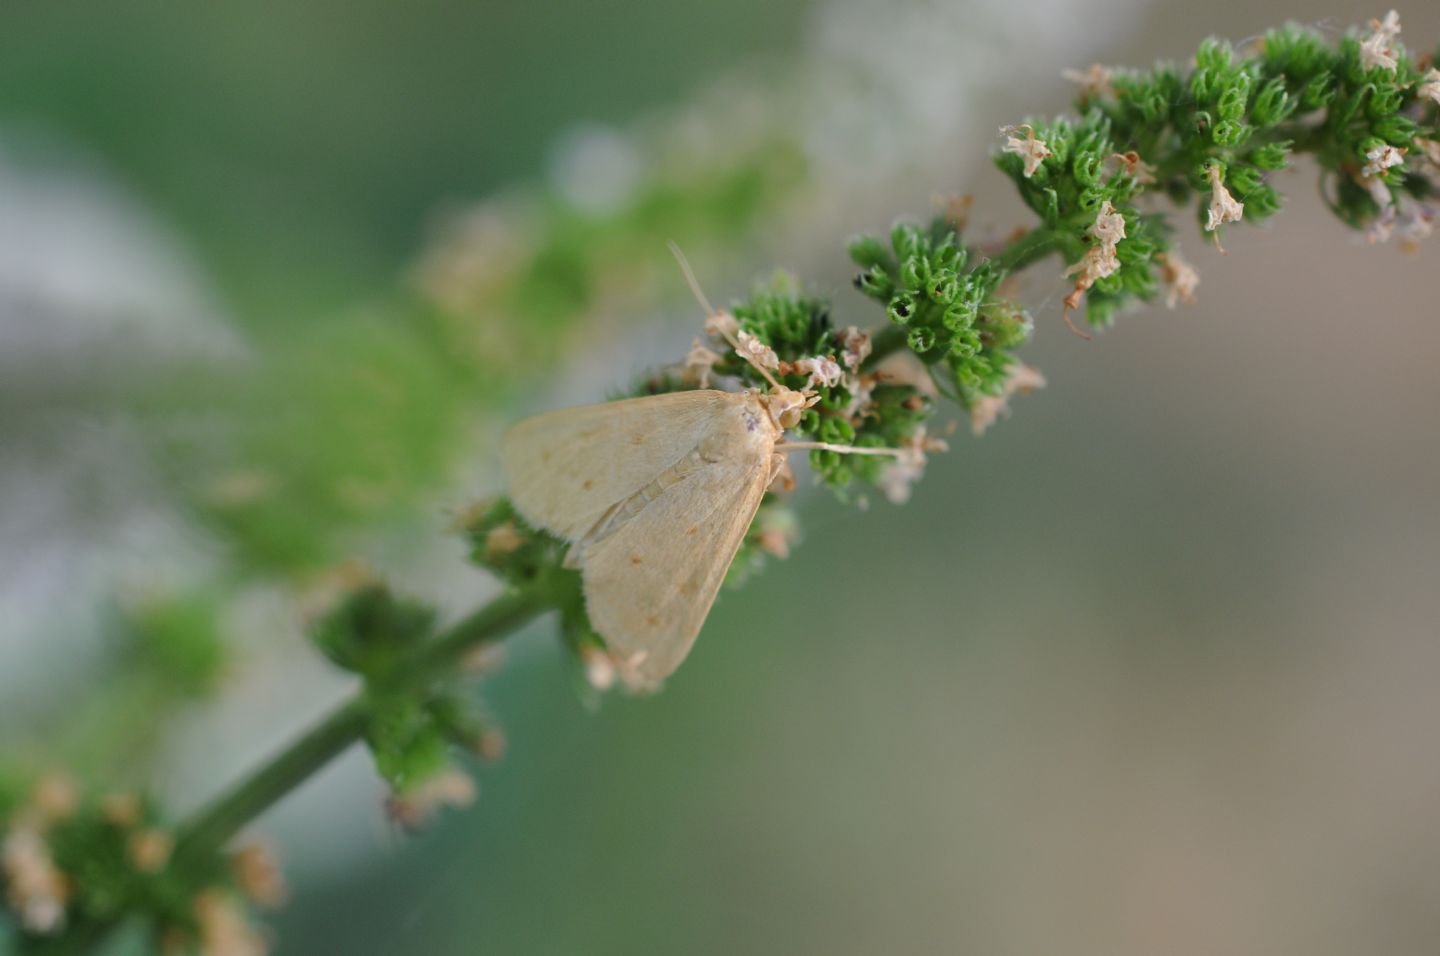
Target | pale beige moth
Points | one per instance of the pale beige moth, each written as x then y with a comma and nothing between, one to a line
655,495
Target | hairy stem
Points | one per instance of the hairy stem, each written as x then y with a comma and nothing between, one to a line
1029,248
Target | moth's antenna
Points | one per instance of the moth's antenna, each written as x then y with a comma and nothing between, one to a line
785,446
710,310
690,279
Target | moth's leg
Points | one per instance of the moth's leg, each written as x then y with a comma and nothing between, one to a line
777,468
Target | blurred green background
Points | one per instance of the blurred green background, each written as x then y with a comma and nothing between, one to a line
1150,668
301,147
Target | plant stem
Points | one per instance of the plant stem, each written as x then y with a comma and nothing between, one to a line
266,785
1034,245
213,827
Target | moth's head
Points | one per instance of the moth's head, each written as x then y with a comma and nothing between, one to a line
785,406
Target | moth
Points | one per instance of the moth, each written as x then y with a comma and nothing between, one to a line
655,496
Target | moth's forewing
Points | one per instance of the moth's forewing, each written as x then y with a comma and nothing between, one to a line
567,468
650,583
657,494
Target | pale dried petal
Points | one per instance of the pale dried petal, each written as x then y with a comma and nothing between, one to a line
1430,149
909,465
955,210
1223,206
491,744
1099,260
1097,263
502,540
1378,49
35,889
599,668
1142,172
822,370
1382,227
1379,190
855,348
749,347
1381,158
54,798
778,532
121,809
1180,279
862,392
699,364
721,325
1429,89
224,930
1417,222
257,873
415,807
1021,379
1032,150
1109,225
150,850
1094,81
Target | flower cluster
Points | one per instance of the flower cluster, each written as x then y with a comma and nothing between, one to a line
1366,112
413,727
952,318
71,863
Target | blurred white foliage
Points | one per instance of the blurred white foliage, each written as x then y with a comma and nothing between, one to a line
595,167
92,290
89,279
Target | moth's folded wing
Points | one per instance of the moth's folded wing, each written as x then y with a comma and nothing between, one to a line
650,583
566,468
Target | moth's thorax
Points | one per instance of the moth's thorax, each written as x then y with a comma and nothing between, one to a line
744,425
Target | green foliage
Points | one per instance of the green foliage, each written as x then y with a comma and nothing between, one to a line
113,856
179,640
409,744
163,652
410,725
343,427
1246,116
372,633
12,792
503,543
948,310
97,852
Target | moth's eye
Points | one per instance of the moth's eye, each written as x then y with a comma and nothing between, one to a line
789,418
